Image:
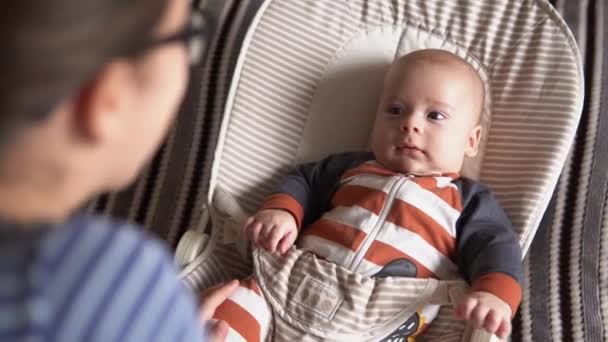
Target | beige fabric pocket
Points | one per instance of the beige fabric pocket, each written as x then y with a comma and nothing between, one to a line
323,301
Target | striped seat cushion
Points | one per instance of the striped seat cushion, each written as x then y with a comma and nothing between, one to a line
565,297
309,74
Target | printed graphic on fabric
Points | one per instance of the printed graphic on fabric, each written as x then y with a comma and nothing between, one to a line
401,268
405,331
398,268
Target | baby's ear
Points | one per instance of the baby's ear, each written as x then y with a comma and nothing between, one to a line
473,142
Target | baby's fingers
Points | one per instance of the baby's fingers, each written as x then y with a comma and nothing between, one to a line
492,322
266,235
253,233
247,226
270,237
464,309
504,330
278,234
287,241
478,316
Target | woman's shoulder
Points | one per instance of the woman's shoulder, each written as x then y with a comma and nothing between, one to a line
112,280
87,232
100,249
94,239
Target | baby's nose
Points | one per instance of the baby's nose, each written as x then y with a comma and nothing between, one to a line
411,123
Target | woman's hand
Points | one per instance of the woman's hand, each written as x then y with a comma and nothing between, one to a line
211,299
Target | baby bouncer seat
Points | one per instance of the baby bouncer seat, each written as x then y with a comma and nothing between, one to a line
307,84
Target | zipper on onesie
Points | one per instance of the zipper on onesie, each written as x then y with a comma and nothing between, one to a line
369,239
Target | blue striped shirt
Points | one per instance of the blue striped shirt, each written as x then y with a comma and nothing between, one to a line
91,280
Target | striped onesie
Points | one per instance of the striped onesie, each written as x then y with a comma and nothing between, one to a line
379,223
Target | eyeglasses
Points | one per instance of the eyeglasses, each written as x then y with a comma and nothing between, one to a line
194,36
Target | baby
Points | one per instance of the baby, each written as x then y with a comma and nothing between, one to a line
404,210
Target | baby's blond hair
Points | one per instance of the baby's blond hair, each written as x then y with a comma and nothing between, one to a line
445,57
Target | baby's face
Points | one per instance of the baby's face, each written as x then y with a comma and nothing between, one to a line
427,120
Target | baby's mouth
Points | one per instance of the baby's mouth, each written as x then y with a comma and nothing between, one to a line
410,149
408,145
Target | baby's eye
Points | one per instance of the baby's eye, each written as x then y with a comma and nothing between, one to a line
394,110
434,115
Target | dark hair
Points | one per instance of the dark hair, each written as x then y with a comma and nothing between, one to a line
50,48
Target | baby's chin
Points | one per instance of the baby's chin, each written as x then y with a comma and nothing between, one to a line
409,167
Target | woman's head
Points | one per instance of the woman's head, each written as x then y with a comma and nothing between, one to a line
81,90
52,47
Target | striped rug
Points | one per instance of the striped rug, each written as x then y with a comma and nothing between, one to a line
566,292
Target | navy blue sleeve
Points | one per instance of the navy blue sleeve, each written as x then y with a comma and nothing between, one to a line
487,242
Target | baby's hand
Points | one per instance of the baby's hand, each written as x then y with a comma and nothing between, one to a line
485,311
271,228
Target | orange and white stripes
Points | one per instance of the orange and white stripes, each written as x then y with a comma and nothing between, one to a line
380,216
246,313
